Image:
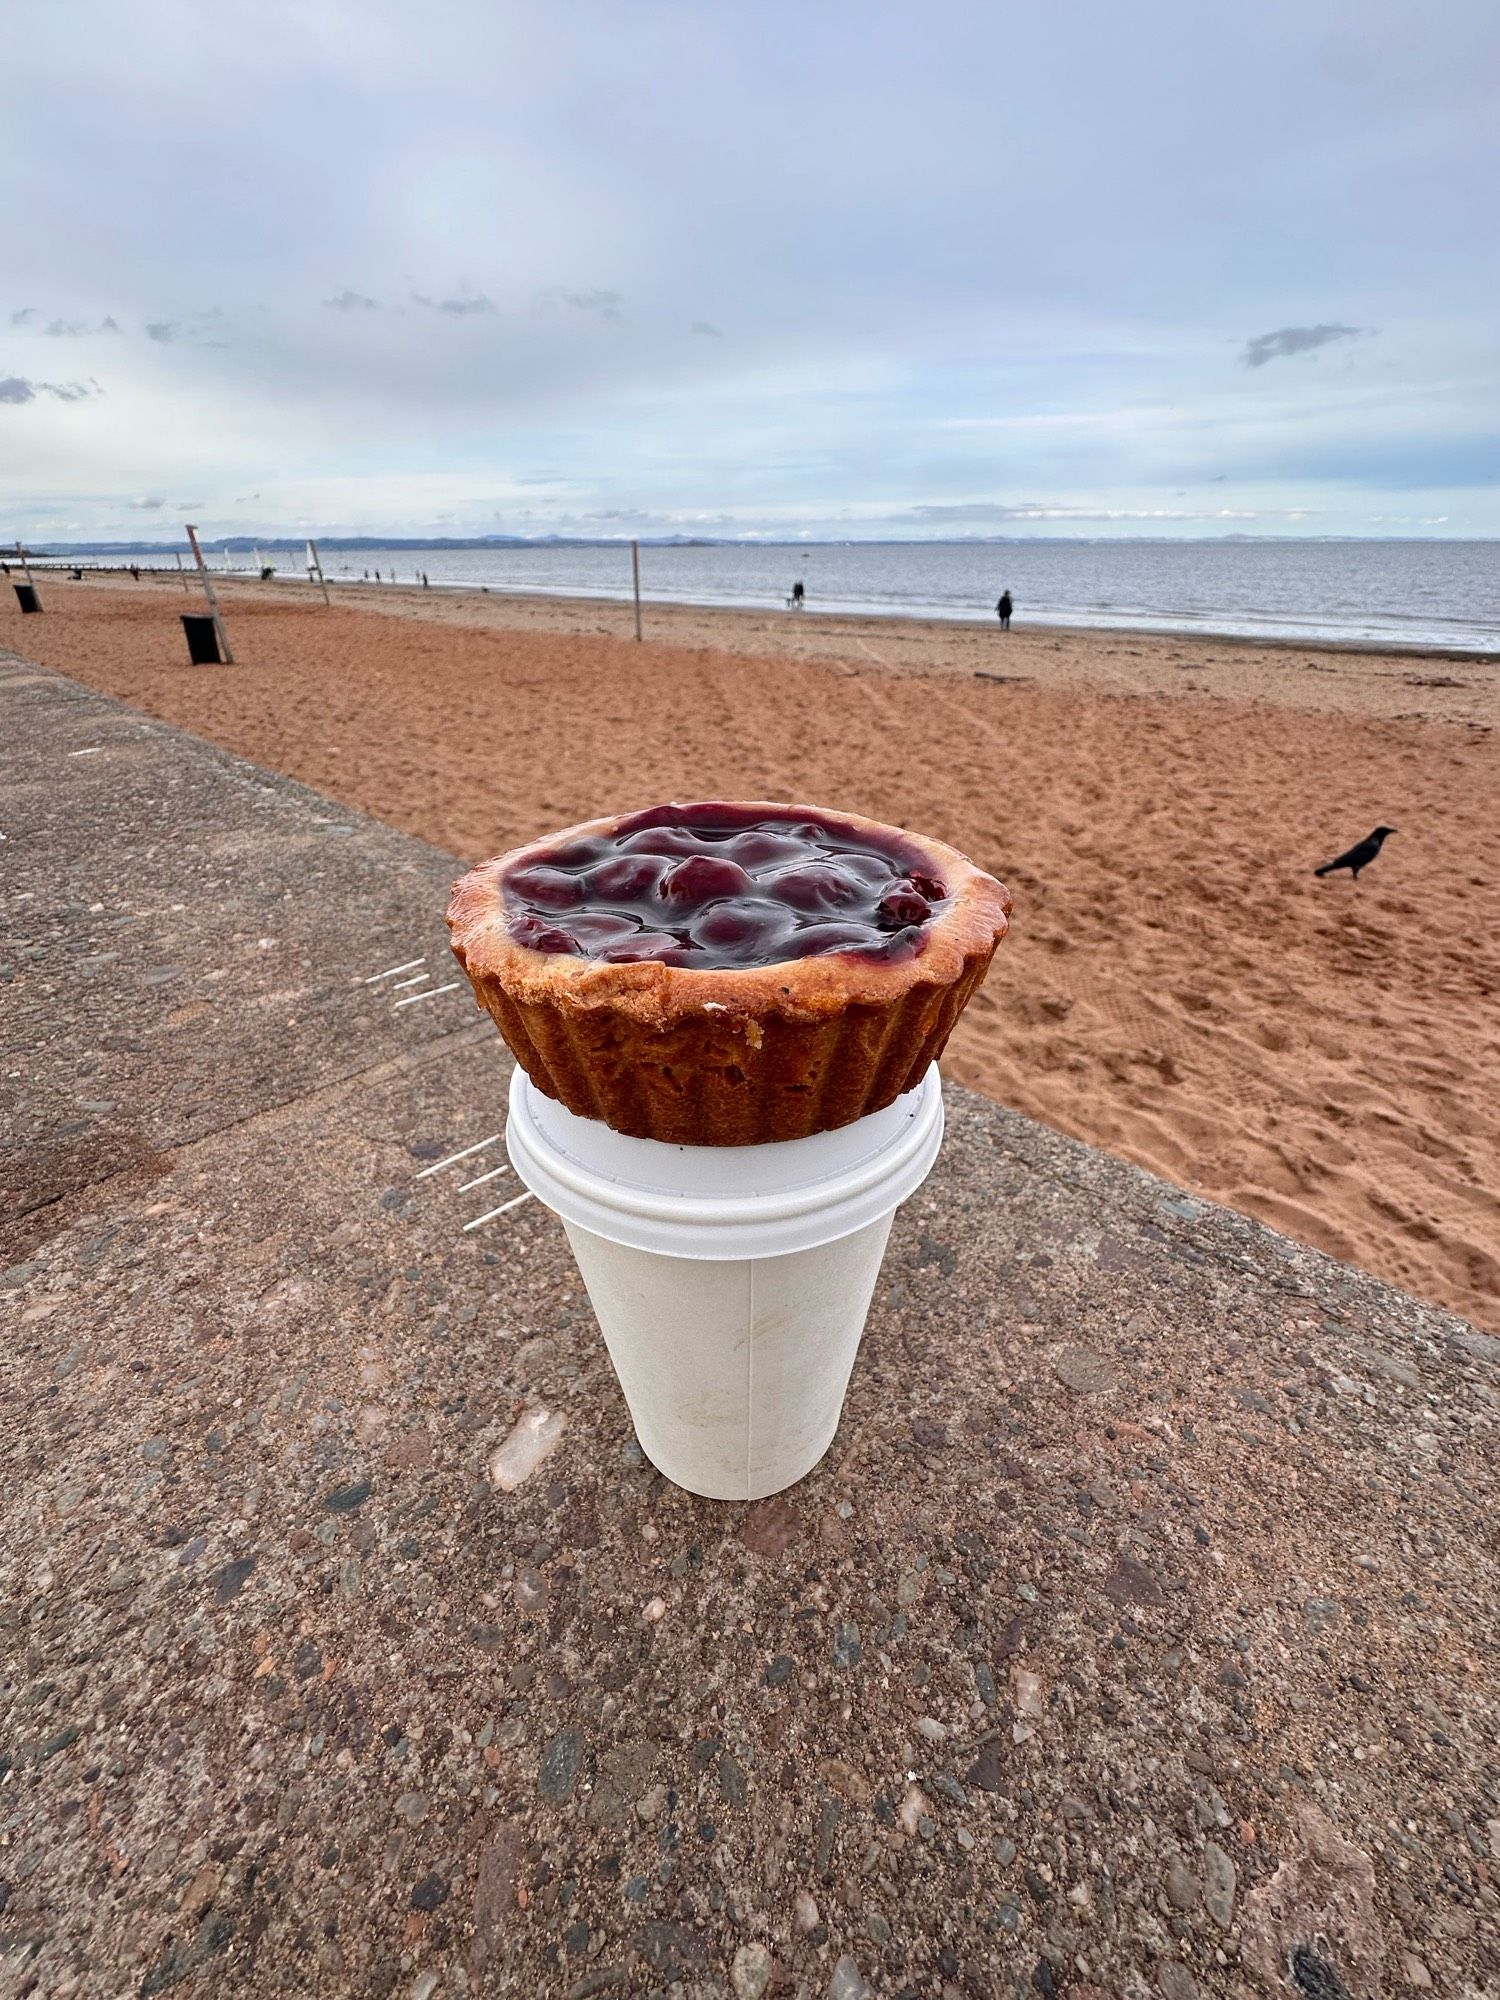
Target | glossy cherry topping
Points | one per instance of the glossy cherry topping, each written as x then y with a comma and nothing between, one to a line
713,886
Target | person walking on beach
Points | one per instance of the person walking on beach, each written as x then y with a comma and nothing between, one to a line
1003,610
799,595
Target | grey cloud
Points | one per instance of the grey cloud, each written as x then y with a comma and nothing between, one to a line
147,506
18,389
20,318
606,304
457,307
70,329
198,330
707,329
352,302
1266,347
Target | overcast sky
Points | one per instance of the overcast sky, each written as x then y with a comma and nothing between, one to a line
839,267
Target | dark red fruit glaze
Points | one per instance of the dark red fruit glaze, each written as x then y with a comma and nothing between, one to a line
713,886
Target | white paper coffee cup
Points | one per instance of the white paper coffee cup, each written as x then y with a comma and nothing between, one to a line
731,1283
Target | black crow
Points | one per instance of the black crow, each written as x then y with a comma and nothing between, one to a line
1359,856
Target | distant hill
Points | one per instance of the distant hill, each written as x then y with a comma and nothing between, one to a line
247,544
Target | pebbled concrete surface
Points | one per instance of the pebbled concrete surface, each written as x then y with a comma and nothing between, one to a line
1137,1636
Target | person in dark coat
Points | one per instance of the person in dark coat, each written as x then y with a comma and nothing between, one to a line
1003,610
799,595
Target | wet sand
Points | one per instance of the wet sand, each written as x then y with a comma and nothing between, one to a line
1177,988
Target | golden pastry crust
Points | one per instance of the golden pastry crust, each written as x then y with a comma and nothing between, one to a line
737,1055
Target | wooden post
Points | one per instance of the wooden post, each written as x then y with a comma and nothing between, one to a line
208,591
635,571
318,566
180,570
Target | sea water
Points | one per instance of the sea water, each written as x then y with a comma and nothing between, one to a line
1443,594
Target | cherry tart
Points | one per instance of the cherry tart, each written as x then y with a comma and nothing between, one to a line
727,974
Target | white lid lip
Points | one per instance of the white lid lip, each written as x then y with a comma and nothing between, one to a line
723,1202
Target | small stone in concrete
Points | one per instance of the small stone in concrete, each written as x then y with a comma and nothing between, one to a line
530,1591
1315,1977
1181,1884
804,1913
412,1453
1130,1582
847,1780
1084,1372
603,1980
987,1772
848,1982
733,1783
348,1499
1218,1884
780,1670
232,1578
771,1526
533,1439
750,1974
561,1761
847,1651
1175,1981
622,1776
412,1807
1322,1613
430,1893
667,1948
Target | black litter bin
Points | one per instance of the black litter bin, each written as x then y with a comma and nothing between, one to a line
203,640
27,598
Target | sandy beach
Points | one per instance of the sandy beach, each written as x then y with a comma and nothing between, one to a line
1177,988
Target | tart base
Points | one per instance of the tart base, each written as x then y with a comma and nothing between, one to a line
723,1079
